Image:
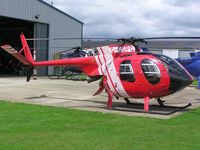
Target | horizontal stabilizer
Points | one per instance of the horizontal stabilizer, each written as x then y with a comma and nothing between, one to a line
15,53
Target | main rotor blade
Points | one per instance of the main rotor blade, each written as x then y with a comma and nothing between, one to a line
112,39
171,38
64,38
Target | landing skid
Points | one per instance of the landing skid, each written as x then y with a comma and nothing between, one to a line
160,109
161,103
181,107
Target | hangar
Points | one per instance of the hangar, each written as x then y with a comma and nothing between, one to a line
36,19
175,48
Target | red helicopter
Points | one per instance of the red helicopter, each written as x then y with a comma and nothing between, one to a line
125,71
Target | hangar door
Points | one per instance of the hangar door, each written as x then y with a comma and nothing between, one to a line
10,30
41,30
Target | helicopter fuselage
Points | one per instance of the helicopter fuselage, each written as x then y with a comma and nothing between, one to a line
139,75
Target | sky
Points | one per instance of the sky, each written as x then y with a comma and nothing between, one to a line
134,18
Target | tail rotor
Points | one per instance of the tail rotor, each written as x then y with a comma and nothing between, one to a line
27,60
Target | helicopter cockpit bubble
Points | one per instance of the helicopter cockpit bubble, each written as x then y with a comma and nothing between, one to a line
179,77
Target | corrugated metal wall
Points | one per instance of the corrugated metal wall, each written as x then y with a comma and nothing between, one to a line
60,24
41,30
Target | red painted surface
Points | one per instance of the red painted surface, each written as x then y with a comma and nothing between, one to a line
141,87
146,104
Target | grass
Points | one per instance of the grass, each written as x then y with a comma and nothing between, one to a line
24,127
80,77
195,82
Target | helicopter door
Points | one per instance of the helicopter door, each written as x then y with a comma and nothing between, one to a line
126,71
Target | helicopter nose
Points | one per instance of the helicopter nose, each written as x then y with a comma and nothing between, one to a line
179,81
179,77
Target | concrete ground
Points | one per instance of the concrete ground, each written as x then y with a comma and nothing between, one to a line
78,95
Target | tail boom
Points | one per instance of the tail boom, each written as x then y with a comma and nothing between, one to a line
87,64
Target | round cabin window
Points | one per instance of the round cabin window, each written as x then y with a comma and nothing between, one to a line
126,71
151,71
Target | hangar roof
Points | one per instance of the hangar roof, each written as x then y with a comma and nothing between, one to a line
59,10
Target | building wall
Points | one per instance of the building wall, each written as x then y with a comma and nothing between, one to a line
60,24
173,53
175,48
41,30
185,53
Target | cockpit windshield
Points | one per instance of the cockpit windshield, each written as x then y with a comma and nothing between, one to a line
179,77
171,65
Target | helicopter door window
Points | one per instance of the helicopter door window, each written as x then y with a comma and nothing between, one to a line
151,71
126,71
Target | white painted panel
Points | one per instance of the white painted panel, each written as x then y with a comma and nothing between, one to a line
173,53
156,51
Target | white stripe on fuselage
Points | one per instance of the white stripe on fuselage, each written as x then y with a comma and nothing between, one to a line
99,65
112,76
103,68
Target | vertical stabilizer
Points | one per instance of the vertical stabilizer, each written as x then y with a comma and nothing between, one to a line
26,49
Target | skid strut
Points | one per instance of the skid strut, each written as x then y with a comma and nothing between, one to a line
160,102
109,93
127,101
110,97
146,104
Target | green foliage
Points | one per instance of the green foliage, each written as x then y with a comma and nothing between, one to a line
24,127
195,83
81,77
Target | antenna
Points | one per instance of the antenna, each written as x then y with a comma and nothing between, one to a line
52,3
